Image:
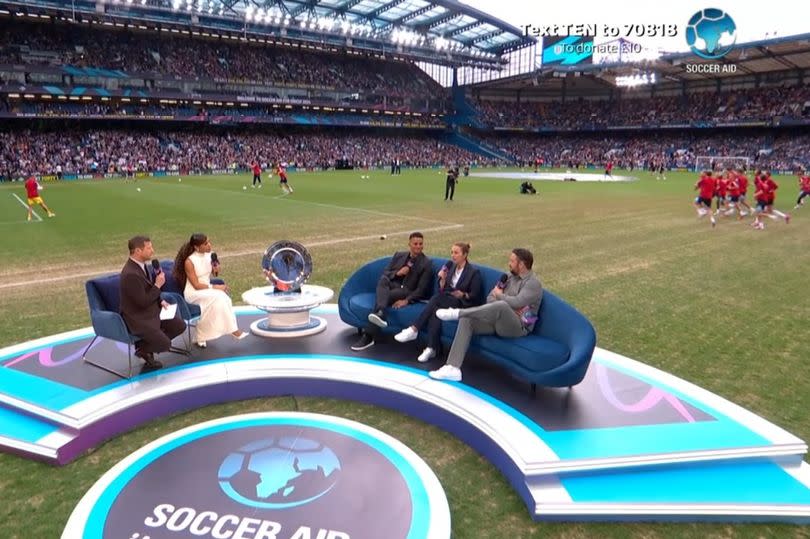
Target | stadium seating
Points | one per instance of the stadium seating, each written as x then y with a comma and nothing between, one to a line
556,354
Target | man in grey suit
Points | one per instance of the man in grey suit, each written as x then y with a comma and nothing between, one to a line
510,311
404,280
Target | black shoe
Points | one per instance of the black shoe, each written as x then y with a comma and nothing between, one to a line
378,319
365,341
150,363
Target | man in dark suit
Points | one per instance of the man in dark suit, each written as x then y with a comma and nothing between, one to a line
405,280
450,185
141,304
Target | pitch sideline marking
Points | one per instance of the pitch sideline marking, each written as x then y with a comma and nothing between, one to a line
237,254
24,205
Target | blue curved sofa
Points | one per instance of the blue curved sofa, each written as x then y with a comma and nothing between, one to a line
556,354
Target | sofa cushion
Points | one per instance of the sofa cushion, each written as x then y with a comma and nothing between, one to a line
531,352
362,304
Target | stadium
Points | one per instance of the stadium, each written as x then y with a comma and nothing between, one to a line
166,118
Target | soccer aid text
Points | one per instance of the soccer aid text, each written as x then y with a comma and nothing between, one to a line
210,524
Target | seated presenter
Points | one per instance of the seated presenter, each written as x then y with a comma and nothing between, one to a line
193,266
459,287
140,304
404,280
510,311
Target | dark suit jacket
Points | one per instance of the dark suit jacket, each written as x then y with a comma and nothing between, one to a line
417,282
140,299
470,282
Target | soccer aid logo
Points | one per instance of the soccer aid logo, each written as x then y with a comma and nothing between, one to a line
279,473
711,33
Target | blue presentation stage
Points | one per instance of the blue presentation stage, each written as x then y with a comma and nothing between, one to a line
629,443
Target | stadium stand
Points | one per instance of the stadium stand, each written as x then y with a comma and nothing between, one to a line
111,151
123,53
111,78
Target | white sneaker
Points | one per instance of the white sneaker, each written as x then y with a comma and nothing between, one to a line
447,314
447,372
427,354
406,335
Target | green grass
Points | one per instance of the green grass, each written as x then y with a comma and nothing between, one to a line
722,308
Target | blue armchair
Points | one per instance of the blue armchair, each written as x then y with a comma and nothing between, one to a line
103,297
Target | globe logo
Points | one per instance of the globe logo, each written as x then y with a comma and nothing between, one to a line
279,473
711,33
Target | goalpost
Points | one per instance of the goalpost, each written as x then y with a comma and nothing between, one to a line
721,162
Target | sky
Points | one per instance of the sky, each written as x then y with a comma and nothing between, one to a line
755,20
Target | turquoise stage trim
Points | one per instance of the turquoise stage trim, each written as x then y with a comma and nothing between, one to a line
726,483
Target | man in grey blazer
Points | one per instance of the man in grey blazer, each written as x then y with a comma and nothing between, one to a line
404,280
510,311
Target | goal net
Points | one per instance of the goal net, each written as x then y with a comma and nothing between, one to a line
721,162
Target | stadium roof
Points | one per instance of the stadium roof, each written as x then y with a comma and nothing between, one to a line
438,31
762,59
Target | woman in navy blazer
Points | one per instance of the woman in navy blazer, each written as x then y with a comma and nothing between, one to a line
459,287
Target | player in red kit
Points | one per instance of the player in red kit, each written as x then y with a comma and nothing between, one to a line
32,189
804,188
257,174
703,202
733,196
282,179
766,196
720,193
742,180
609,169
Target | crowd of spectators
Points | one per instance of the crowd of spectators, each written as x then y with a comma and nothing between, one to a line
761,104
198,58
99,151
763,149
211,114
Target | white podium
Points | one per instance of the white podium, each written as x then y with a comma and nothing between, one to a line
288,312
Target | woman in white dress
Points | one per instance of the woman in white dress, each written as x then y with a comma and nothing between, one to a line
192,265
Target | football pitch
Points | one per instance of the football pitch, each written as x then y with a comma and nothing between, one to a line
724,308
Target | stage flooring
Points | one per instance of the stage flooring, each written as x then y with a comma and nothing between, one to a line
629,443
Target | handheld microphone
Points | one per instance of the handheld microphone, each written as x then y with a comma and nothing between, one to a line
156,267
410,263
446,269
214,260
502,281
